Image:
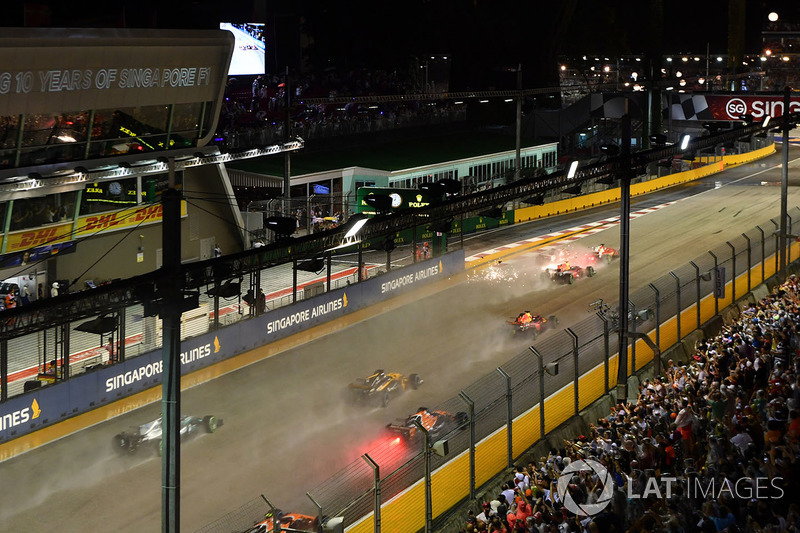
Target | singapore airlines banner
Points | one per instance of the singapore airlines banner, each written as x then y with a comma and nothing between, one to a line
728,107
86,391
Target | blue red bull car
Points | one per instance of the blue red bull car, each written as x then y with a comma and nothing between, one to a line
566,273
533,325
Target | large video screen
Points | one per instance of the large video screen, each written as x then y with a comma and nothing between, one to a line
249,51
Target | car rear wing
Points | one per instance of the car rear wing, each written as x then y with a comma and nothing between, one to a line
400,429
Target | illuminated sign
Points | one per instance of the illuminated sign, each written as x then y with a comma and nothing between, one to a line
87,225
401,198
63,70
723,107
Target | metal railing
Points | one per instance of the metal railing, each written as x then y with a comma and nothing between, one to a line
29,353
587,370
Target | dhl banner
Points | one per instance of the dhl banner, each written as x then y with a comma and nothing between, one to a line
87,225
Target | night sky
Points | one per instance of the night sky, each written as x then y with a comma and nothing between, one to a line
482,37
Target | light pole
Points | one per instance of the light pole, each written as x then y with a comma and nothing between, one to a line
787,95
624,257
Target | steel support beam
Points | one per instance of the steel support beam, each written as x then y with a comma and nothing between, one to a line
170,355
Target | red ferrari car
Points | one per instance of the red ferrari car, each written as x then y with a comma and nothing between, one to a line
604,253
289,520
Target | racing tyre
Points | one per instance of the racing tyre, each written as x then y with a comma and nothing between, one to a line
415,381
121,443
210,423
462,419
590,271
570,279
385,399
534,334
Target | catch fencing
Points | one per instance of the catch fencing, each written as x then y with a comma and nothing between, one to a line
505,405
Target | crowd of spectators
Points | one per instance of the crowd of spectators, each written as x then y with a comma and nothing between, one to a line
255,114
710,445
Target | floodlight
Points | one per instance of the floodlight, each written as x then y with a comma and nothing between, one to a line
685,141
573,168
356,222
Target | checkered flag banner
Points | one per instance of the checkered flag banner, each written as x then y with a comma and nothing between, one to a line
690,107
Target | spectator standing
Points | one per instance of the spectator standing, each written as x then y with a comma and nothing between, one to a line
217,250
54,290
26,295
11,301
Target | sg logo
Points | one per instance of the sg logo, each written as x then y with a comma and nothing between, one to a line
736,108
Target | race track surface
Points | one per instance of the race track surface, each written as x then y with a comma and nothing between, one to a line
287,426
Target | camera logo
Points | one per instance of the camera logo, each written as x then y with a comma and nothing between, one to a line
585,509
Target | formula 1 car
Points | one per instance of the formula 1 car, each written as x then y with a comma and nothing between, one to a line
604,253
382,386
535,325
437,423
149,434
565,273
295,521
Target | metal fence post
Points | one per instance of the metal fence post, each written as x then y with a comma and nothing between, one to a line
509,415
427,451
376,477
658,324
788,243
328,272
275,522
749,259
575,384
697,282
471,409
3,370
606,348
632,327
778,251
294,281
360,262
763,251
540,361
733,274
716,273
316,504
678,298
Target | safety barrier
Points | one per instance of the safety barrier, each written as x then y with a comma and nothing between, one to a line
81,393
29,353
585,201
505,405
